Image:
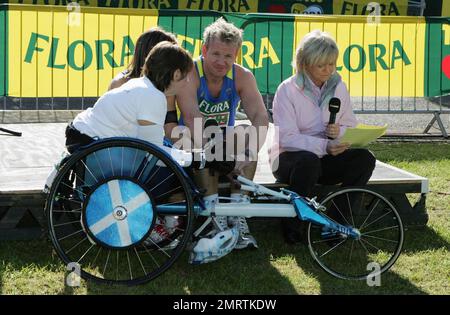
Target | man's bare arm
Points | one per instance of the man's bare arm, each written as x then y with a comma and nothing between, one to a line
188,104
252,103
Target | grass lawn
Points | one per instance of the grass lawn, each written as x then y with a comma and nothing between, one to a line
275,268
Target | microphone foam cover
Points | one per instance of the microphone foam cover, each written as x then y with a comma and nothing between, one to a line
334,105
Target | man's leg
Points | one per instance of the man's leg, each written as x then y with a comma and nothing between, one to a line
208,180
241,151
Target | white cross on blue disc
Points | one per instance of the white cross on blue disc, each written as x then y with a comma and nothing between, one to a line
119,213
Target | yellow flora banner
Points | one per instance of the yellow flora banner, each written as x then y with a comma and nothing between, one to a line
57,53
49,52
377,58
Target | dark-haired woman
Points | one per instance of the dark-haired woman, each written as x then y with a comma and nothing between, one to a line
138,108
144,44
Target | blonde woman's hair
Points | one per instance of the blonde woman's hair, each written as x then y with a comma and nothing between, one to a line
224,31
315,48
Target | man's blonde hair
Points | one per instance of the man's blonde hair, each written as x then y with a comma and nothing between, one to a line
224,31
316,47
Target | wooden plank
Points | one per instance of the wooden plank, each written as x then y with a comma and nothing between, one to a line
26,161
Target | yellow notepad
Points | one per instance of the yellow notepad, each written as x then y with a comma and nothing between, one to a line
362,134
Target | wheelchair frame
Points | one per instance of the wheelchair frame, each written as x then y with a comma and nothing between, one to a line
74,206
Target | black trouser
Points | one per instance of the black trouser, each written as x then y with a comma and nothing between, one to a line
301,170
75,139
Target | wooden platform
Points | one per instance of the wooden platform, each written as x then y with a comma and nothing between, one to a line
25,162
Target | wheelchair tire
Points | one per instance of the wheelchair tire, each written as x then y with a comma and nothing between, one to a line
378,246
108,211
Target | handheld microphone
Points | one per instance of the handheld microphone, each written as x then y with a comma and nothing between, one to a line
333,107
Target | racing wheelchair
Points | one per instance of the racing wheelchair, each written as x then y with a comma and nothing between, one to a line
108,199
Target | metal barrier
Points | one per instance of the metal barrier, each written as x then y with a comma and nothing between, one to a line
54,60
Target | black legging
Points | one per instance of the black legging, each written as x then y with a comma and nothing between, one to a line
302,170
75,139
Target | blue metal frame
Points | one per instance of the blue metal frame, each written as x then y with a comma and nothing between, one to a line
306,213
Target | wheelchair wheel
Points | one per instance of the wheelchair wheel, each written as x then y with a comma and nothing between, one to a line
122,210
378,246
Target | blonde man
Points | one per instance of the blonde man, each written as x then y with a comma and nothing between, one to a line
217,85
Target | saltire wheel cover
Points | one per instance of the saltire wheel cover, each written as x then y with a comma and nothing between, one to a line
119,213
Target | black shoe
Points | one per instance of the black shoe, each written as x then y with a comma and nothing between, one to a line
294,231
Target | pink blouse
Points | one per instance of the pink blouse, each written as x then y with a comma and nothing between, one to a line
299,121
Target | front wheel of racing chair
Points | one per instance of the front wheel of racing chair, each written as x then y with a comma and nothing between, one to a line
122,209
379,242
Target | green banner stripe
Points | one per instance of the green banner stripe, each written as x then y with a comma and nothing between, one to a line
437,57
267,52
3,50
267,48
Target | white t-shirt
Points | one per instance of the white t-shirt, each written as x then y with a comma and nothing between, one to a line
116,113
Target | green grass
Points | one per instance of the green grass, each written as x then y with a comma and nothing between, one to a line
275,268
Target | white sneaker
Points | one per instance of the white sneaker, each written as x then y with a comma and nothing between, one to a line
171,223
162,230
220,222
245,238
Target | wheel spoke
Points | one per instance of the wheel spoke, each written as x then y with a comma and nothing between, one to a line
327,240
96,256
373,246
383,229
333,248
168,192
351,251
76,245
151,256
80,179
360,242
87,168
117,266
379,218
106,263
110,160
72,234
148,159
71,200
129,266
164,180
337,208
134,162
74,189
351,212
99,165
153,175
373,208
381,238
121,165
140,261
159,248
67,223
81,258
67,211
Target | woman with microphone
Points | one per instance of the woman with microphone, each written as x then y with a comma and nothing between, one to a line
306,148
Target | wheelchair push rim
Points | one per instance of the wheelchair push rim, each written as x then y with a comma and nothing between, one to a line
104,211
376,248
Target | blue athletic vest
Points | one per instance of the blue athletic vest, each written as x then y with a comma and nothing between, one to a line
221,108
